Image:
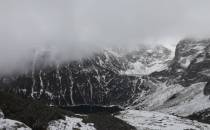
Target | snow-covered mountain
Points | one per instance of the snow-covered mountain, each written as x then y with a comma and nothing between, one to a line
149,79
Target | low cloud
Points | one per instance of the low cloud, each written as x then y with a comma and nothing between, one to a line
76,28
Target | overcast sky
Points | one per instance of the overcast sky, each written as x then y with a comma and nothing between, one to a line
74,28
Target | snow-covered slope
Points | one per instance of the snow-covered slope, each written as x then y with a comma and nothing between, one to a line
161,93
187,101
148,60
144,120
70,123
175,99
7,124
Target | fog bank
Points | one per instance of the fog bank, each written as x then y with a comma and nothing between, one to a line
71,29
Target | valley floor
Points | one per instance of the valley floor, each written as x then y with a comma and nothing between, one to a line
149,120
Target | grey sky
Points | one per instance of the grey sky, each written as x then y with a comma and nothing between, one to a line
74,28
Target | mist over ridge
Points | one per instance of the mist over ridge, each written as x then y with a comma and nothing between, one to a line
72,29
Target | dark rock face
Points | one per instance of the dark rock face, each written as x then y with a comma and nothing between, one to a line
93,80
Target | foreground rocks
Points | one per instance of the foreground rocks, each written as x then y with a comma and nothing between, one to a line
7,124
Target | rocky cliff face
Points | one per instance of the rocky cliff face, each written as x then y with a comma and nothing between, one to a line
191,63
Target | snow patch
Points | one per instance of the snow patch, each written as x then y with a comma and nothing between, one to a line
141,69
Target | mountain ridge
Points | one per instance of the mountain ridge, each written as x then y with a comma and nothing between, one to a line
145,79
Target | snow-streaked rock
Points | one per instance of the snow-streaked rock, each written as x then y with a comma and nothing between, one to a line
149,120
70,123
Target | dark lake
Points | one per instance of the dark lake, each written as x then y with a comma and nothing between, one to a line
86,109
